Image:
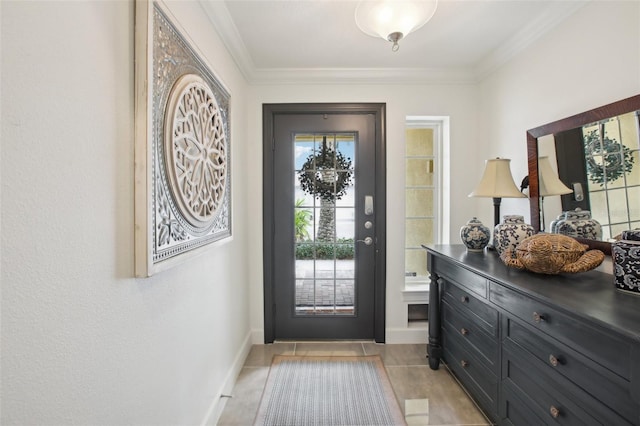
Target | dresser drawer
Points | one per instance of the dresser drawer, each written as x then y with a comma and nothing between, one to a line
561,361
604,348
475,377
463,277
472,337
516,409
482,314
552,398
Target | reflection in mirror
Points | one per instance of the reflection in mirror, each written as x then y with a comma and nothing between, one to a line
596,154
600,161
549,184
612,159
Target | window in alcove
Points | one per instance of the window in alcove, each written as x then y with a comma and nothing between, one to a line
426,203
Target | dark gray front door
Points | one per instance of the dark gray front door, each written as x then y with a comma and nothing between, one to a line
324,243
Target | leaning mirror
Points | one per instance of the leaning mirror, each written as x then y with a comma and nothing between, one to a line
589,162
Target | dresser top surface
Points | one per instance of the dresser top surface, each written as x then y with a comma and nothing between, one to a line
591,294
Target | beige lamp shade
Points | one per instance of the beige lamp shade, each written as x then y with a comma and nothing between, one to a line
497,181
548,180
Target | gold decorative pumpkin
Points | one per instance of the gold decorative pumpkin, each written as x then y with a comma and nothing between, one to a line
552,254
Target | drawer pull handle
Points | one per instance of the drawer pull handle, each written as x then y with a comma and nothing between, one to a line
554,360
464,331
464,299
464,363
554,411
538,317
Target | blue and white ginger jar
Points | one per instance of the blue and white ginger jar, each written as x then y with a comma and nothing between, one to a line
626,262
510,232
553,227
475,235
578,223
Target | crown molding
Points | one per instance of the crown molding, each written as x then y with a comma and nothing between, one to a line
362,76
552,16
220,17
222,21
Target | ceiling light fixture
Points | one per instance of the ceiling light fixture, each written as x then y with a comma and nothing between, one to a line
393,19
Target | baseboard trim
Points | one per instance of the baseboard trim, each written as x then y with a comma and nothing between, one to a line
393,335
257,337
406,335
217,406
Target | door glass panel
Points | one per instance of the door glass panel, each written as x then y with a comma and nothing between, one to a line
344,225
325,224
347,197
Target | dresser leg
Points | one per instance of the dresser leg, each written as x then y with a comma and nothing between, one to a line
434,353
434,348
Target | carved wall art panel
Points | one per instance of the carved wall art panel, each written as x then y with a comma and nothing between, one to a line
183,186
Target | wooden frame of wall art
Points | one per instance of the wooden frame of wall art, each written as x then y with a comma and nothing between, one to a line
182,146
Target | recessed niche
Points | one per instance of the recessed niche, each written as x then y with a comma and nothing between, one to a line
417,313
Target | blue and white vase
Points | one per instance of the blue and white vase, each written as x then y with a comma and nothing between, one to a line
578,223
475,235
553,226
510,232
626,262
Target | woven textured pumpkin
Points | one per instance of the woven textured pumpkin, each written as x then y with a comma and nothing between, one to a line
552,254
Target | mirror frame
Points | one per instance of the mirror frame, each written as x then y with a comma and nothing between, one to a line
601,113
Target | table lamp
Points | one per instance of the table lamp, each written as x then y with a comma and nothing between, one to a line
497,183
548,184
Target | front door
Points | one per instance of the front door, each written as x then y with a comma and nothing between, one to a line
324,240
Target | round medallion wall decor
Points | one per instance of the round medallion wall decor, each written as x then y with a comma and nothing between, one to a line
195,150
183,181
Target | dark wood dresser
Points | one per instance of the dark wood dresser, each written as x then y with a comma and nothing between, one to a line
535,349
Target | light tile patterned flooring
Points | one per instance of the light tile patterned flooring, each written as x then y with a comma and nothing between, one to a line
412,380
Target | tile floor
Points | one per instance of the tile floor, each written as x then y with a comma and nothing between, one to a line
412,380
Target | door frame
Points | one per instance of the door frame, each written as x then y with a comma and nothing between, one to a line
269,111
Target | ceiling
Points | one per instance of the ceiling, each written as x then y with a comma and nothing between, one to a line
280,41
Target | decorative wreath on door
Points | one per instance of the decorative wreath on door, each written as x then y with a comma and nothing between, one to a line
327,174
616,160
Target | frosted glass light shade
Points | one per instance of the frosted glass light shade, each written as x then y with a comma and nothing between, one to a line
548,181
381,18
497,181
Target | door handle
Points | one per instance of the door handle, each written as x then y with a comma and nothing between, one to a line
367,241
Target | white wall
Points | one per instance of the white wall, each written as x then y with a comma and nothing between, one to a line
589,60
457,101
83,342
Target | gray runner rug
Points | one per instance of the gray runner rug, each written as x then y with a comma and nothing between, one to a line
328,391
